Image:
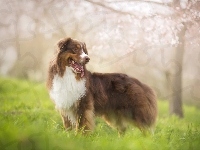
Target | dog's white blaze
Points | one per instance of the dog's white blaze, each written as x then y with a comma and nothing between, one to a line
83,55
67,90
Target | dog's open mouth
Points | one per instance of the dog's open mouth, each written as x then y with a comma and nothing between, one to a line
77,67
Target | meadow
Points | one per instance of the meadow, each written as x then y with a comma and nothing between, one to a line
29,121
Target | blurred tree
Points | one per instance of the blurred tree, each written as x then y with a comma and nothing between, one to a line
183,7
175,102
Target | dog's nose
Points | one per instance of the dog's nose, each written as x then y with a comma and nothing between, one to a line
87,59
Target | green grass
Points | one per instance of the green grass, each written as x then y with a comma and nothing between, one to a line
28,121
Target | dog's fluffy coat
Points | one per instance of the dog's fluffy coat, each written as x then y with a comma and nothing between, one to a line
80,95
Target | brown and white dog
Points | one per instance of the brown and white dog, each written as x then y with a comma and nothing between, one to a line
80,95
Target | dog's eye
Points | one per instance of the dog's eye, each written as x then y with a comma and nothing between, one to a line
75,49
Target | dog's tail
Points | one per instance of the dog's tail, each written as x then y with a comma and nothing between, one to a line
145,113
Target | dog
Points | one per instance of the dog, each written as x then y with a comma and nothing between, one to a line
80,95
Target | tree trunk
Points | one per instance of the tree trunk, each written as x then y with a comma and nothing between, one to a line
175,102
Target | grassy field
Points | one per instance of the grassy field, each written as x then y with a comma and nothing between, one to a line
28,121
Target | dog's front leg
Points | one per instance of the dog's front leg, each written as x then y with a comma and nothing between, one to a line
66,122
68,118
85,122
85,117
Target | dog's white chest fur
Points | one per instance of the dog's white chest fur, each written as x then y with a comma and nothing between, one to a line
67,90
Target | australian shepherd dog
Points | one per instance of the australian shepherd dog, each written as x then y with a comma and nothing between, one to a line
80,95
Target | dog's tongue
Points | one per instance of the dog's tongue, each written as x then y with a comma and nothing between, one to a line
82,73
78,68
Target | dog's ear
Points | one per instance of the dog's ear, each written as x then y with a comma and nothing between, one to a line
62,44
85,49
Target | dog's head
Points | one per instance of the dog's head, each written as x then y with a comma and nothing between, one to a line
72,53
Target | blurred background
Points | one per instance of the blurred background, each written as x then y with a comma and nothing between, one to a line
156,41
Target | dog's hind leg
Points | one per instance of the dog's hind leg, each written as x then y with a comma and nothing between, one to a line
115,121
